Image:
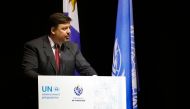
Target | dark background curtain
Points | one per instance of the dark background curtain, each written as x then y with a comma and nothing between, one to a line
22,21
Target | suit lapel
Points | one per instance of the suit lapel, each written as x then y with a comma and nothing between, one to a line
48,51
63,56
62,68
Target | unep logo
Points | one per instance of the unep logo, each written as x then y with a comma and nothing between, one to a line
78,90
116,59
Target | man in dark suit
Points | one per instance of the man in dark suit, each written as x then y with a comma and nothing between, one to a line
39,54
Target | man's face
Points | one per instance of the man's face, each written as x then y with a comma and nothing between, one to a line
62,32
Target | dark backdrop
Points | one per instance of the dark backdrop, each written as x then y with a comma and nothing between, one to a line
22,21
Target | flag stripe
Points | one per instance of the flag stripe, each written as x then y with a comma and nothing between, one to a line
70,9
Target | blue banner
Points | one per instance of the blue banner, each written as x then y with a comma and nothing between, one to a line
124,63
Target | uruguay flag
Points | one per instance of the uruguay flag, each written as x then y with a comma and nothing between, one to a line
70,9
124,63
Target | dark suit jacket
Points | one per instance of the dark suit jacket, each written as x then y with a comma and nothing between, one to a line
38,59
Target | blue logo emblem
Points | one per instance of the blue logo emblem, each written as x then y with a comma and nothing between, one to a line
56,89
116,67
78,90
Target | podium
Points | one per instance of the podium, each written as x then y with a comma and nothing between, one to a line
81,92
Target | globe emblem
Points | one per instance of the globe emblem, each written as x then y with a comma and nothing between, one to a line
78,90
56,89
116,59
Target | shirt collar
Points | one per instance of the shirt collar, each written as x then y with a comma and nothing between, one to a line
51,42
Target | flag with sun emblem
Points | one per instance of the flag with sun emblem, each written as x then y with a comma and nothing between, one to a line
124,60
71,10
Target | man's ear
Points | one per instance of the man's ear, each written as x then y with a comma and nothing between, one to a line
52,30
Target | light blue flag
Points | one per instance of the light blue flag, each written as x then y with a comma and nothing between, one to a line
124,60
70,9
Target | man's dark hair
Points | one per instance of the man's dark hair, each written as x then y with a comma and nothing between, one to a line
57,18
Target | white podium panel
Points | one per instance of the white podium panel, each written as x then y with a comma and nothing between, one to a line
81,92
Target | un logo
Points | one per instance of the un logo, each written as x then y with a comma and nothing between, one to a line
116,59
56,89
78,90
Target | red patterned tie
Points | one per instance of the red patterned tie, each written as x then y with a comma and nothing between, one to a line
57,61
